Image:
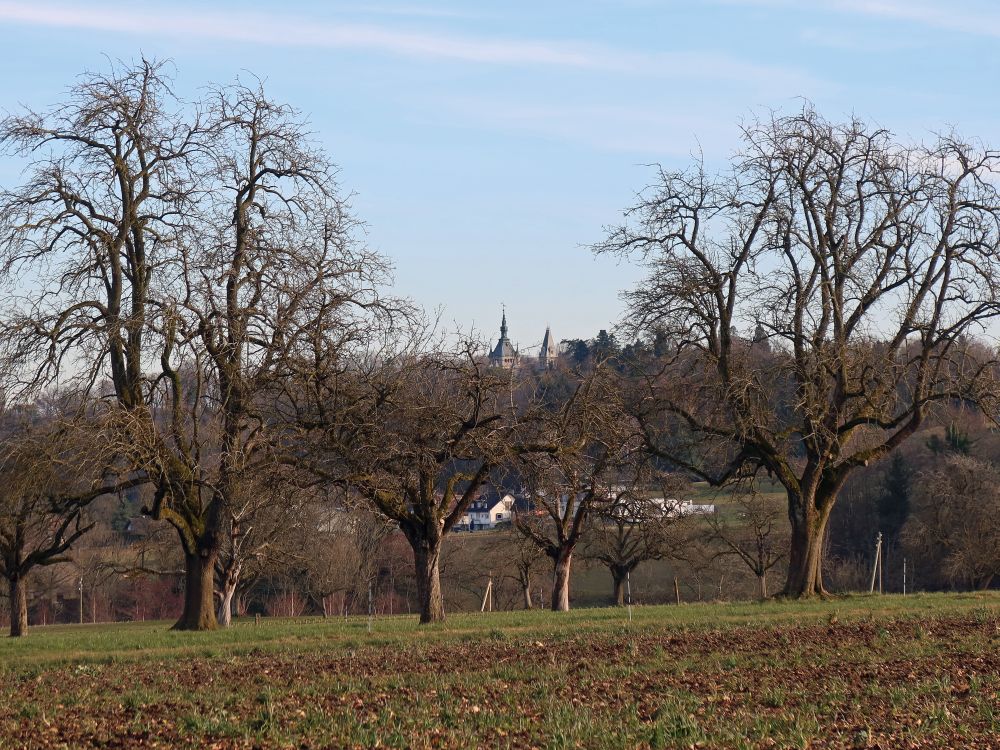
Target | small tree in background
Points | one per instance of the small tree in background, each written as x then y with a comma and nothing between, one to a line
893,502
955,440
634,527
518,559
753,528
342,550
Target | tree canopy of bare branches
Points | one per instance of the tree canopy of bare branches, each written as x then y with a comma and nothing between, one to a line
820,297
52,467
754,529
571,458
416,434
183,254
641,520
953,530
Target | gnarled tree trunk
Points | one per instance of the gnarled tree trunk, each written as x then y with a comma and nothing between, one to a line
809,519
18,606
426,558
199,591
618,577
560,581
230,580
524,578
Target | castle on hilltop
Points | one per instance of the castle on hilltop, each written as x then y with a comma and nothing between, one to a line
505,355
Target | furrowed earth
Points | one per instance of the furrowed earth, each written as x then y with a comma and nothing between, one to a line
861,672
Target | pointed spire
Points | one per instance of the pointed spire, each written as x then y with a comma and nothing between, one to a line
503,354
549,352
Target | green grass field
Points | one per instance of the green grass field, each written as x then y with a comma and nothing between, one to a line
920,671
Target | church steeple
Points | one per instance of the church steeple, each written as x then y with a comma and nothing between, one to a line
549,352
503,354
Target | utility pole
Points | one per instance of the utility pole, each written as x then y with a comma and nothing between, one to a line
488,595
628,591
877,567
881,568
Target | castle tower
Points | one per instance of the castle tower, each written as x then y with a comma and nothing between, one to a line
503,354
549,352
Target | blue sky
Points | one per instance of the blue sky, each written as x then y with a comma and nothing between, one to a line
488,143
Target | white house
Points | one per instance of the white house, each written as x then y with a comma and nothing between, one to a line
488,511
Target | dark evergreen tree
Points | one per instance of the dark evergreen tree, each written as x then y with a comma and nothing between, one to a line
604,346
578,350
894,500
661,343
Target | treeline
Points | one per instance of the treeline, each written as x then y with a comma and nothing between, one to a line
340,560
197,328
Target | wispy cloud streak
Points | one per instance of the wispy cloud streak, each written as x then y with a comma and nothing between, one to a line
975,19
281,30
967,19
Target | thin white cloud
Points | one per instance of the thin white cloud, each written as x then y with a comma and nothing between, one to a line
968,19
282,30
978,19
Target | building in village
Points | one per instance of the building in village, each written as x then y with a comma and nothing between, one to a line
505,355
488,511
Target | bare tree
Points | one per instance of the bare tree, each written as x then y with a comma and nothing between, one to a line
266,515
49,473
185,253
416,434
346,548
819,298
518,559
570,458
952,530
753,529
636,526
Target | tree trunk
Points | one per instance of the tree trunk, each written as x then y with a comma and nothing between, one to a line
225,614
524,578
762,583
18,606
199,589
560,581
426,556
230,581
805,561
618,579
